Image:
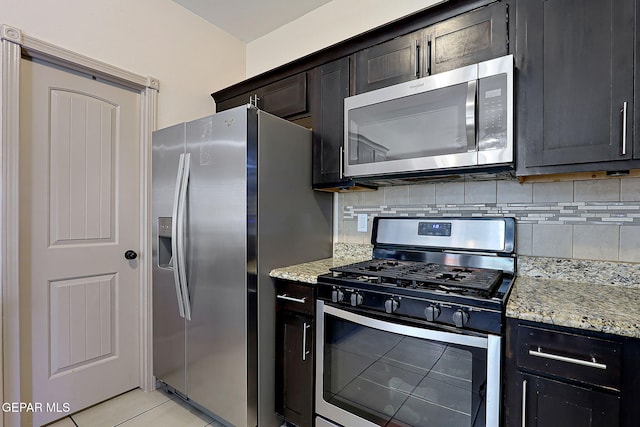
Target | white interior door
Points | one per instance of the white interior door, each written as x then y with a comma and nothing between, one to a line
79,213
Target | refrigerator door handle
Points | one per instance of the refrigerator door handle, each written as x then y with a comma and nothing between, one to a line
182,254
175,263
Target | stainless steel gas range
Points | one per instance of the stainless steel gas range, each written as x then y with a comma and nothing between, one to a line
413,337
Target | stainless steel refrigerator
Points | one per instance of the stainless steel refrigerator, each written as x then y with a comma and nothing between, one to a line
232,199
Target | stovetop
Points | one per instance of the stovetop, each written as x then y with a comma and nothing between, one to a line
454,272
450,296
422,276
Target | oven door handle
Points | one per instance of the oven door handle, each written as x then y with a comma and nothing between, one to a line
398,328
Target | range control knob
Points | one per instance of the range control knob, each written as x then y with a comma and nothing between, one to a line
460,318
356,299
432,312
337,295
391,305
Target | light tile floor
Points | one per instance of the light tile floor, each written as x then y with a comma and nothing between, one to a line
139,409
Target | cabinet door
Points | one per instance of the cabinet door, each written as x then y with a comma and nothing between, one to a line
468,38
294,373
548,403
575,75
283,98
236,101
331,87
286,97
389,63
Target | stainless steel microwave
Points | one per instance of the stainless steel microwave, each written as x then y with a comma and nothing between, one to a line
459,119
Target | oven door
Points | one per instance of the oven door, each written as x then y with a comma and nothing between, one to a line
372,372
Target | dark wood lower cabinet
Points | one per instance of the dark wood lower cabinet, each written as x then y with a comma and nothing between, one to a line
549,403
556,376
294,353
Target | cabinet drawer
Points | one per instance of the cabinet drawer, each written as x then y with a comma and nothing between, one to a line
295,297
576,357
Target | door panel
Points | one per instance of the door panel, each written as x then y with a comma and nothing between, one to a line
79,212
80,337
82,149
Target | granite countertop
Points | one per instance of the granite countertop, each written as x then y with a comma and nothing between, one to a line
591,295
308,272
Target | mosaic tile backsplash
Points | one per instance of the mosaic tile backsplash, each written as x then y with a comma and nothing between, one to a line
587,219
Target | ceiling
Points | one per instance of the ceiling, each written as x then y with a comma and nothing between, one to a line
248,20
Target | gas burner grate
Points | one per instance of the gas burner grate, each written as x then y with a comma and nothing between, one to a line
421,275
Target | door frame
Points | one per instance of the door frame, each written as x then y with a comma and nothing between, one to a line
14,45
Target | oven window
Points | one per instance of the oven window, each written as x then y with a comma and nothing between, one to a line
396,380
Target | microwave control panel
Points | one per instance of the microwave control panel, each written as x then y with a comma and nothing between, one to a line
492,112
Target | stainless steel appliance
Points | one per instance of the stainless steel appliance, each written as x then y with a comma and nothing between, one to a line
456,120
413,337
231,200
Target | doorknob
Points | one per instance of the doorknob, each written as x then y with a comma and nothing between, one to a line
130,254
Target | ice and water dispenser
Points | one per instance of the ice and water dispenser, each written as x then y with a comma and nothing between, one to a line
165,253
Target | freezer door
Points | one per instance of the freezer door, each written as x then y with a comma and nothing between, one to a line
216,265
169,359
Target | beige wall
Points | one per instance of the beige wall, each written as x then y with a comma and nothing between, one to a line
157,38
327,25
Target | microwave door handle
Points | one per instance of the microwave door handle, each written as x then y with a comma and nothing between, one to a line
470,115
175,214
416,51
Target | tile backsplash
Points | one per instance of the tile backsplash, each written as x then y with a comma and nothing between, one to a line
586,219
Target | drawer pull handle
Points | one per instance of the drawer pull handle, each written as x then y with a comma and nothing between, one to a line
292,299
591,364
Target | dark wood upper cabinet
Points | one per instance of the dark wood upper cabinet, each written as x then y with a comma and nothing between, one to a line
331,87
283,98
469,38
575,85
389,63
311,91
465,39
